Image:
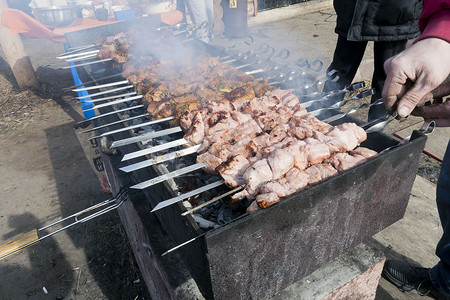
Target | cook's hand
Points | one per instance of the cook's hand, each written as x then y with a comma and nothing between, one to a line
414,72
438,111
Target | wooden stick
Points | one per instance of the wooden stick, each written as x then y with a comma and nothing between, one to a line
18,243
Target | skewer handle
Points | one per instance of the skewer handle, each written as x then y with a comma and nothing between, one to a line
18,243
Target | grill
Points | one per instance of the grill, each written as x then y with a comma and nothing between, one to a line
253,256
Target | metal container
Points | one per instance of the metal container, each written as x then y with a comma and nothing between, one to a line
57,16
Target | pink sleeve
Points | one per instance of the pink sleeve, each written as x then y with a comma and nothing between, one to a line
435,20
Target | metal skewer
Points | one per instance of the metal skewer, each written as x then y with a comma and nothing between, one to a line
32,237
426,128
350,88
144,137
353,110
116,122
339,104
101,86
114,102
182,244
71,60
88,63
187,212
187,195
157,133
79,48
212,201
257,62
167,176
159,159
111,113
109,97
105,92
380,124
91,81
67,55
244,58
154,149
83,57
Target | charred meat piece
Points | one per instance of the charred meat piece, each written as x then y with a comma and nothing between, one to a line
233,169
211,162
196,132
267,199
241,93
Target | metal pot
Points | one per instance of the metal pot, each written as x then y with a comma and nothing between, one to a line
57,16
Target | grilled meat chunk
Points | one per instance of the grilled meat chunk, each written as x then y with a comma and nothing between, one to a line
267,199
364,152
320,172
196,133
280,161
211,162
256,175
297,180
344,161
232,170
345,137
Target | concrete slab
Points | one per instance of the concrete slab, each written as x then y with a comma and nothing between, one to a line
413,238
353,275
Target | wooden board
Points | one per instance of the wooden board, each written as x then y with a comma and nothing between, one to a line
18,242
436,143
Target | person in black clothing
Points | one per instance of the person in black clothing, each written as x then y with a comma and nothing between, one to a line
389,23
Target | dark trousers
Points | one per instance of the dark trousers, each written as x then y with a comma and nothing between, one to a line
346,59
440,274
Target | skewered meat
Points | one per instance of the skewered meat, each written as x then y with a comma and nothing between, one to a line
256,175
365,152
279,187
280,161
267,199
232,170
196,132
253,207
250,134
344,161
242,93
272,162
211,161
346,137
316,152
296,148
320,172
171,85
297,180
